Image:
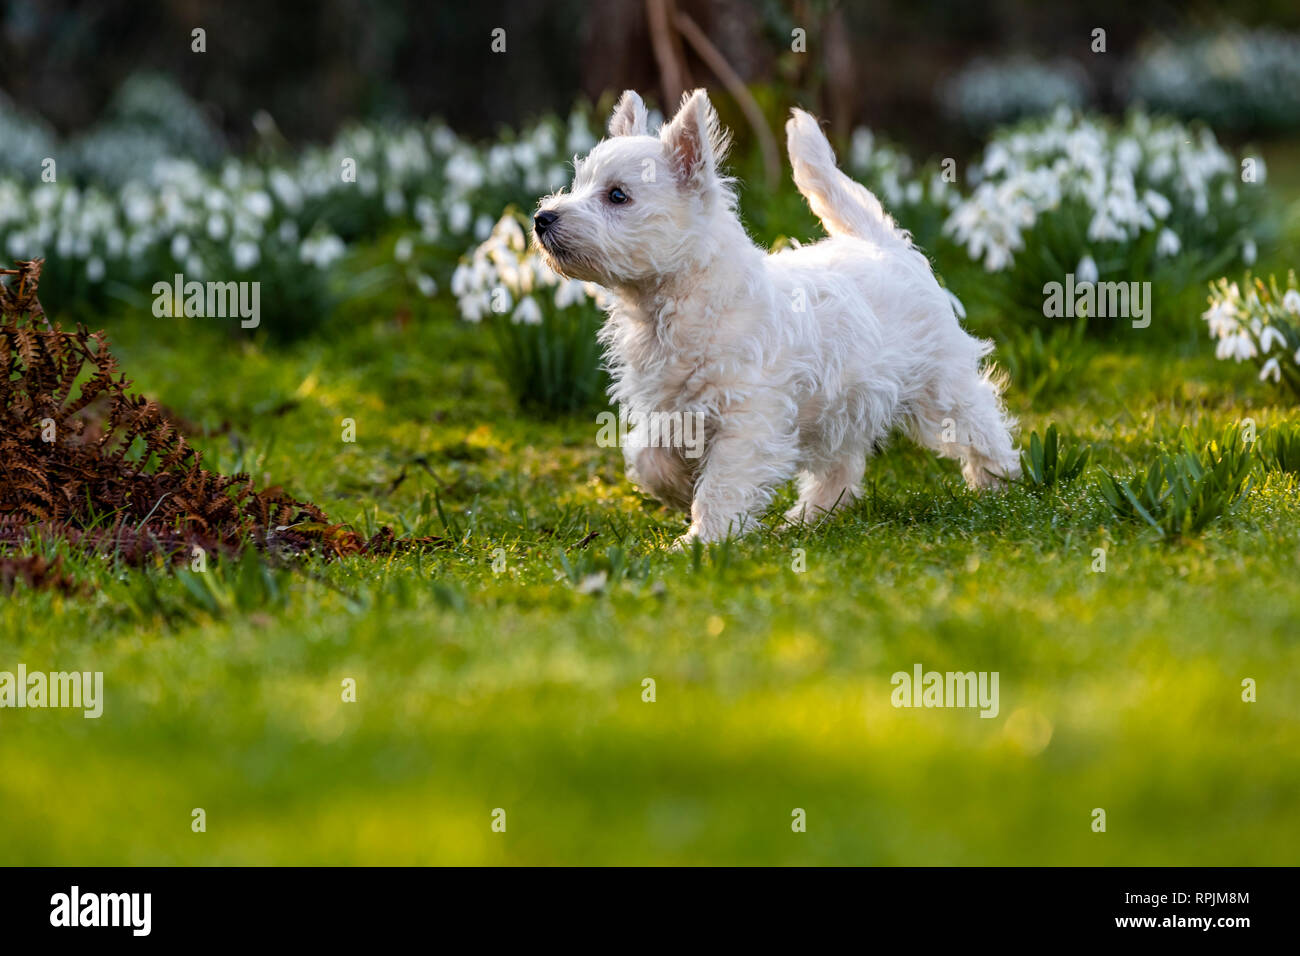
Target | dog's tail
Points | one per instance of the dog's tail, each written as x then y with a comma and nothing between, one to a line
845,208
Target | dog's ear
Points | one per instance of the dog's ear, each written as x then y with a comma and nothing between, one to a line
629,116
695,140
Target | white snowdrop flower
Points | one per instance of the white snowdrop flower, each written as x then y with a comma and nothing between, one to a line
543,139
474,307
1291,301
861,147
499,162
1240,346
580,139
1271,369
996,159
1159,205
458,216
549,179
569,292
513,277
543,272
1249,252
443,140
482,226
464,172
259,204
461,280
95,269
217,227
1222,319
403,248
138,208
428,288
180,246
1268,335
1128,153
509,229
1086,270
526,155
1168,243
322,250
1103,228
16,245
246,255
394,202
528,312
285,189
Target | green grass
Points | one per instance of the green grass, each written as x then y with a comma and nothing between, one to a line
479,690
522,689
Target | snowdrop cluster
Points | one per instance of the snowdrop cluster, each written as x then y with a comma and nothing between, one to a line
1261,324
892,176
1232,78
240,217
986,91
1121,183
501,275
27,141
449,188
176,217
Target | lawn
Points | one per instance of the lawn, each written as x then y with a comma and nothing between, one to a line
506,669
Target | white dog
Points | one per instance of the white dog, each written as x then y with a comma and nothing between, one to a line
801,362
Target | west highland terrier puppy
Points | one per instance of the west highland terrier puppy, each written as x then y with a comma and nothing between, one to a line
799,362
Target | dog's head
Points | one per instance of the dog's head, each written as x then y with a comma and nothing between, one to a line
640,205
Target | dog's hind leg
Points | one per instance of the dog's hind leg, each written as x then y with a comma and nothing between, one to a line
665,473
974,427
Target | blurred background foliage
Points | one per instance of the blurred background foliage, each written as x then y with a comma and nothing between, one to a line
312,66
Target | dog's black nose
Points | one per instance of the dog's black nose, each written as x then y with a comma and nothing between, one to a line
543,220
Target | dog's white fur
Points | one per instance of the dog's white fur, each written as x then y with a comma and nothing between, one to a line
704,321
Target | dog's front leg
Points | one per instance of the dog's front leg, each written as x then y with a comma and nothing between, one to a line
752,451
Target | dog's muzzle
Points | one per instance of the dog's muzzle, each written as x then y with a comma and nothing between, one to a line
543,221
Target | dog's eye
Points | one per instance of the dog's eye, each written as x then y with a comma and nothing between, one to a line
617,196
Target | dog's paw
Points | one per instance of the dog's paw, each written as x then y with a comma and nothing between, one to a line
984,478
685,543
796,516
